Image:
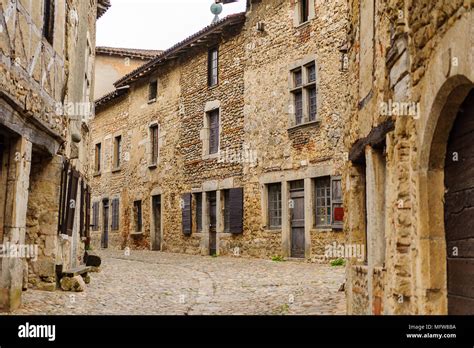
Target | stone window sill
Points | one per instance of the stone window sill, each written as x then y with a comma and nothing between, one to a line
97,173
303,24
209,88
152,166
305,124
272,230
151,101
116,170
136,233
211,156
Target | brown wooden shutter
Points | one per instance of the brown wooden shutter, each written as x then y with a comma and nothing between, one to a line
62,196
214,131
71,202
236,206
115,214
186,213
88,211
82,207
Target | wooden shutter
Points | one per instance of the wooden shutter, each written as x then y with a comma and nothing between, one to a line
88,211
214,132
236,206
62,196
71,202
115,214
82,215
186,213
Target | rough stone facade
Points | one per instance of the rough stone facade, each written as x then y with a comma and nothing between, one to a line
419,53
44,71
259,143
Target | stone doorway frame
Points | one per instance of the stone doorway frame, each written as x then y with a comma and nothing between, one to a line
445,86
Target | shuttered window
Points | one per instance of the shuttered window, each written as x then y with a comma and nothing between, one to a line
63,197
88,212
274,206
213,131
227,211
115,214
186,213
82,209
236,210
95,216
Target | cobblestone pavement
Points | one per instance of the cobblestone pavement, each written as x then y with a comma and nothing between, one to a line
162,283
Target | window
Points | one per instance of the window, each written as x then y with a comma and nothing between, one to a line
304,10
117,151
48,21
213,119
137,215
226,211
198,200
115,214
97,157
274,206
304,93
95,216
154,144
152,90
328,200
213,67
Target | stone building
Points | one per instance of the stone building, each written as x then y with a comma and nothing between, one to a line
46,87
409,181
230,142
112,63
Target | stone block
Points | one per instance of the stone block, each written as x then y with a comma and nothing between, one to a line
75,283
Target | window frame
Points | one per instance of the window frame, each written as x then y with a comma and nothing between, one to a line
117,152
152,90
137,216
303,11
301,93
328,197
49,16
210,114
98,158
154,130
213,67
279,206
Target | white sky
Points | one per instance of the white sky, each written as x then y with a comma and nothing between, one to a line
156,24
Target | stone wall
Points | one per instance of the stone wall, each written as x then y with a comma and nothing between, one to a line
418,59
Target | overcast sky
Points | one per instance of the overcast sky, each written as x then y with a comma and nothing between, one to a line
156,24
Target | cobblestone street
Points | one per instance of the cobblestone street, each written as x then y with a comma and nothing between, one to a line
162,283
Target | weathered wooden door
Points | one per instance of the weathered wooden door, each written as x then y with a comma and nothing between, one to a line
157,222
459,211
105,224
212,223
297,218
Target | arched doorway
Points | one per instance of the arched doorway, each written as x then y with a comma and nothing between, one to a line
459,210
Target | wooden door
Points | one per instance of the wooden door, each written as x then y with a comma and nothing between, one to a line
105,225
459,211
157,222
297,218
212,223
